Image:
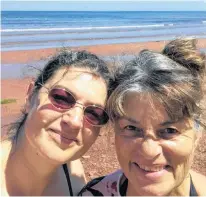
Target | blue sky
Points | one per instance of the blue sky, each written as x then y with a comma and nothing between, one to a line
114,5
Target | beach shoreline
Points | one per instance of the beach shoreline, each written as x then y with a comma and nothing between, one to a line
27,56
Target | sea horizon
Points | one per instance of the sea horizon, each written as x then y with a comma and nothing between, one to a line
26,30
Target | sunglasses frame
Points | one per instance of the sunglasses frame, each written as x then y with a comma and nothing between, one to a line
66,109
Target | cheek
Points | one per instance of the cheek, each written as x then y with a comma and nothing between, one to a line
33,129
38,120
180,149
123,149
179,154
89,135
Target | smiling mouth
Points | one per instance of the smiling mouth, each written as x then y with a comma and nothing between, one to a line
63,138
151,169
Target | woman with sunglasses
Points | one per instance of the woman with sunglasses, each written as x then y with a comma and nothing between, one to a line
155,109
63,114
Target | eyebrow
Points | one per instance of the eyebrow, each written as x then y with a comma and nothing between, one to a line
168,122
130,119
162,124
88,103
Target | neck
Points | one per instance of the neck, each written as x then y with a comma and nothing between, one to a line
183,189
27,173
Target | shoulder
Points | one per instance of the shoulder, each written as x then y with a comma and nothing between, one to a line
5,152
6,147
76,168
103,186
199,181
77,175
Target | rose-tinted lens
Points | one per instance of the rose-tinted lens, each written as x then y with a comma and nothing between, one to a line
61,98
96,115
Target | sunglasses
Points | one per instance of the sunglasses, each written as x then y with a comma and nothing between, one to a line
63,100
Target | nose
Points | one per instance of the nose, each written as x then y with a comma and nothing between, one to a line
74,117
150,148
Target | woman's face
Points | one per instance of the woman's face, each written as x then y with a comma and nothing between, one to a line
62,136
154,152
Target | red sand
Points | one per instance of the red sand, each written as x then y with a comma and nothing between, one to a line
13,89
109,49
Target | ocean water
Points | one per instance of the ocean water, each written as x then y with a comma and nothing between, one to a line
38,29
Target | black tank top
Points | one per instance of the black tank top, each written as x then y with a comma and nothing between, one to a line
68,178
193,191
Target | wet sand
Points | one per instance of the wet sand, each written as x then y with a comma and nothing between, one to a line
104,50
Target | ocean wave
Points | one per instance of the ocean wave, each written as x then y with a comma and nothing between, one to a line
84,28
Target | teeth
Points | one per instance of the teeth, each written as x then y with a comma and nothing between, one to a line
152,169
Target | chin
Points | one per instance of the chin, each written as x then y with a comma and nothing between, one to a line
53,154
150,191
55,157
60,156
157,190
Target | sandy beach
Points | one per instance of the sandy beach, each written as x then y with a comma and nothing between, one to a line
16,89
105,50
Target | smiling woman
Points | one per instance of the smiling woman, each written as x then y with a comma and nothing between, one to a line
155,110
63,114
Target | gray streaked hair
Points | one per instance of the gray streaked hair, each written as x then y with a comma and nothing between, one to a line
173,76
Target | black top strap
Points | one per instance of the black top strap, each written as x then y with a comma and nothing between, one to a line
123,188
68,178
193,191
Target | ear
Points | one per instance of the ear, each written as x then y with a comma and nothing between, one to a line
28,99
198,135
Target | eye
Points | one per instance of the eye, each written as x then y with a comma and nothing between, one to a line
168,133
60,99
132,131
131,127
92,113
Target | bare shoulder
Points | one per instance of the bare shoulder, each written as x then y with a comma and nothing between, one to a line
199,181
78,177
5,151
76,168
